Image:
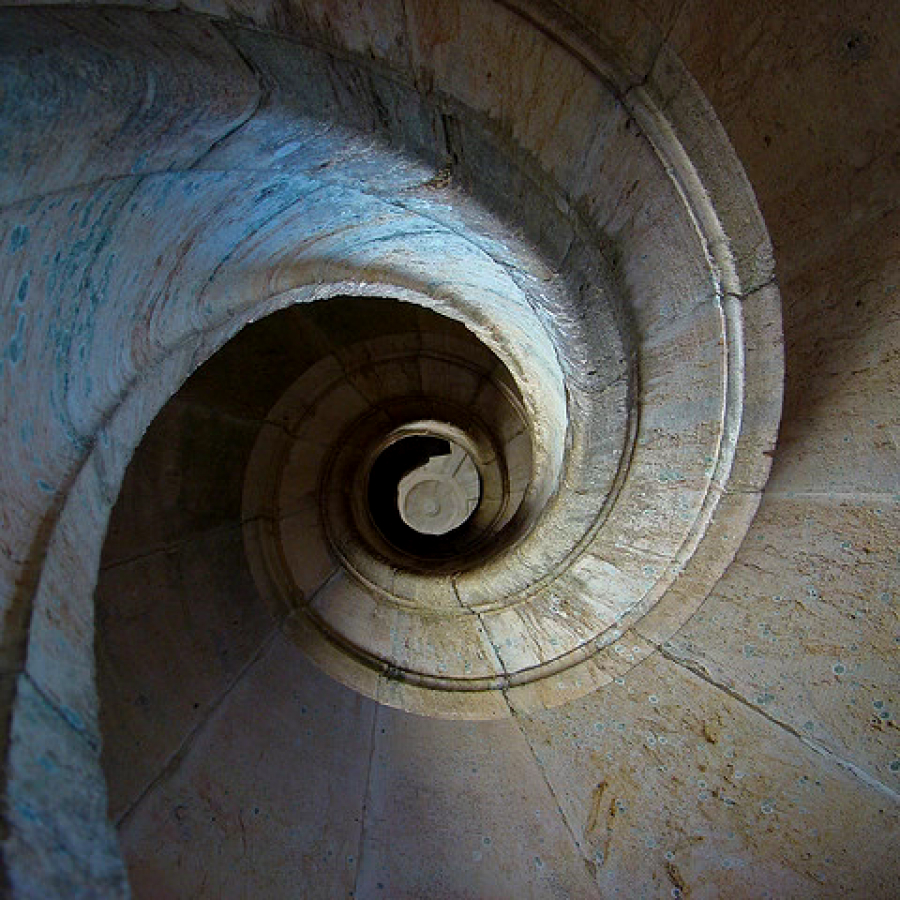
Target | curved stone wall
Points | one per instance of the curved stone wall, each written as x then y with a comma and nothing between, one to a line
259,217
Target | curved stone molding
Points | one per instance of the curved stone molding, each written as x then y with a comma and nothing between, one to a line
625,342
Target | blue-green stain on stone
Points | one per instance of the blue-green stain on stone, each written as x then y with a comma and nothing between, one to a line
14,348
22,292
72,718
669,477
86,213
18,239
27,811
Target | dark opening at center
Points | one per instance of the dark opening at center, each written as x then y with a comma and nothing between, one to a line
421,489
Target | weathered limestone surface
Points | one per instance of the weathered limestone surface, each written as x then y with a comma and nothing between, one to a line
817,575
692,792
333,792
58,837
206,641
488,823
805,628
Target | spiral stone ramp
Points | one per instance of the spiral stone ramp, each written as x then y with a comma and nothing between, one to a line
390,397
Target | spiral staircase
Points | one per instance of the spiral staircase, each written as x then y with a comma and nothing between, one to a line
391,393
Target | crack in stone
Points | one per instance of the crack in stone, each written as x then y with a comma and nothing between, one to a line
261,95
699,671
184,748
361,846
517,718
83,732
181,543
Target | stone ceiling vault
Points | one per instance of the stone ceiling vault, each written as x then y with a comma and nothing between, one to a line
260,256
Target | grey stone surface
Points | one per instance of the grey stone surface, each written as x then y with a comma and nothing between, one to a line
128,108
459,809
176,627
811,642
281,804
58,842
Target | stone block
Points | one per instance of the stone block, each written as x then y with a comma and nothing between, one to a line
802,626
666,781
257,789
175,629
60,658
58,842
445,777
149,110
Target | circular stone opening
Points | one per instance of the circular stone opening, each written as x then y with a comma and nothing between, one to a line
441,494
422,487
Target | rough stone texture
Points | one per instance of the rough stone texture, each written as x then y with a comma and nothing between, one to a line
192,605
670,786
145,116
831,213
436,824
59,842
166,493
805,628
